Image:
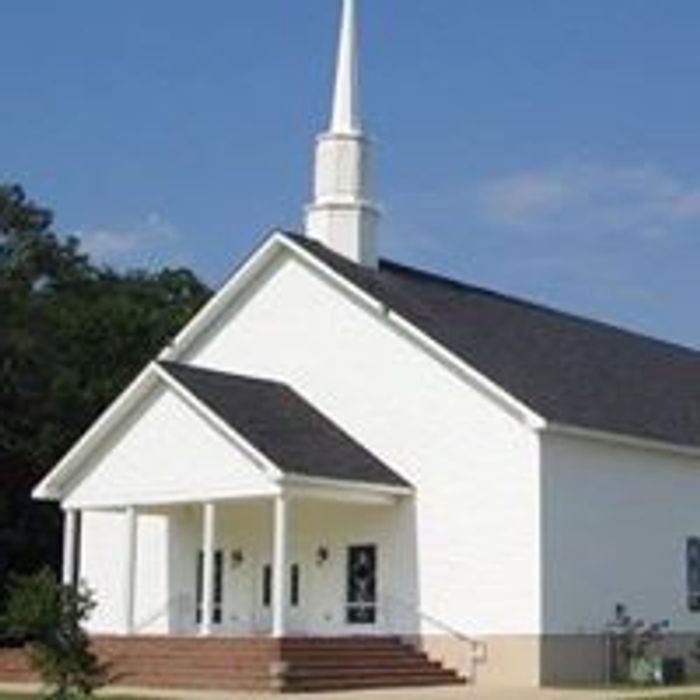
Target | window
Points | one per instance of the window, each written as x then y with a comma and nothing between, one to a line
294,585
218,585
693,573
267,586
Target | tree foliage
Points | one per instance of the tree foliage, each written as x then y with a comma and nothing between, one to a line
48,617
72,335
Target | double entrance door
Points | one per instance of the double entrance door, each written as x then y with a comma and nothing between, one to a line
242,593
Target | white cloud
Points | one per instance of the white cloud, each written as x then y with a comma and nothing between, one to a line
152,241
603,198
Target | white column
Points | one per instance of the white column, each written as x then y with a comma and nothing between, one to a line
131,555
279,566
70,544
208,544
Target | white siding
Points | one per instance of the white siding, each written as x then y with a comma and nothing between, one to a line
103,563
166,451
474,533
615,521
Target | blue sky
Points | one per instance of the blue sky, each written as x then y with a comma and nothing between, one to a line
547,148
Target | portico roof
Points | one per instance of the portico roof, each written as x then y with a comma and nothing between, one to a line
283,426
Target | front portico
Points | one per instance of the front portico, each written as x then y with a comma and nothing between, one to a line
188,518
211,568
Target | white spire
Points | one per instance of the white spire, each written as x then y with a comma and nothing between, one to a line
346,102
342,216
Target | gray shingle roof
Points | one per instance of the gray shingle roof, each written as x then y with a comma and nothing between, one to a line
283,426
569,370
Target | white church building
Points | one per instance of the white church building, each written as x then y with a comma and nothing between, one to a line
340,447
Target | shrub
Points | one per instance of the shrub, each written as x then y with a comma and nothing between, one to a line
635,647
48,618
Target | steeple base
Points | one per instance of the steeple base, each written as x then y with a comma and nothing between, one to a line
348,229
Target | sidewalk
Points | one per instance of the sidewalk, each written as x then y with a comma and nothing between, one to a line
452,693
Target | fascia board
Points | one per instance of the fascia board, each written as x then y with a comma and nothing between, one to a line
292,479
244,274
50,487
622,440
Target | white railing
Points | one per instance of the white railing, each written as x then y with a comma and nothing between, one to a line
407,620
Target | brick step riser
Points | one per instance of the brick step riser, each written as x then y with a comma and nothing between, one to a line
179,673
247,674
14,667
207,662
130,651
238,648
191,659
17,677
350,652
205,666
153,681
348,682
190,648
231,674
332,674
406,662
263,670
335,643
256,658
246,653
357,684
233,643
343,649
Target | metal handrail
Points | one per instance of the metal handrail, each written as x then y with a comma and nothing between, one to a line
477,648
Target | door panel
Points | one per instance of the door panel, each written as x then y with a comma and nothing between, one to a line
295,597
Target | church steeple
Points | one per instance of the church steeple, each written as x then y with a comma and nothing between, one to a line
346,99
342,215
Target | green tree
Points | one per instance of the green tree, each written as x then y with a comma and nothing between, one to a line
72,335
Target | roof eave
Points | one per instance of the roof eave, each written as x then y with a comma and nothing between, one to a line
621,439
345,489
